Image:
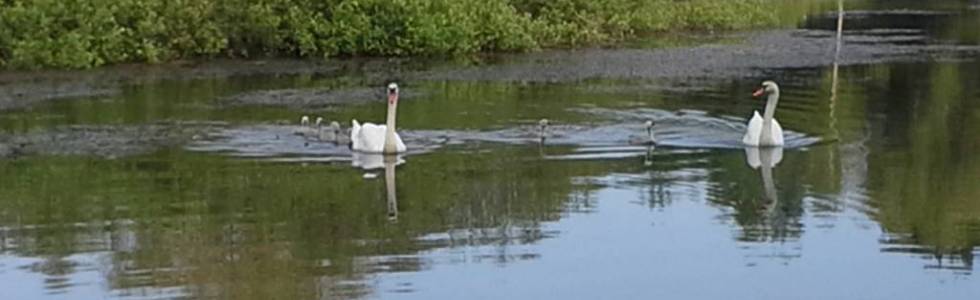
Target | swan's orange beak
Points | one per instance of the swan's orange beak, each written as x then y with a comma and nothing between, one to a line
759,92
392,97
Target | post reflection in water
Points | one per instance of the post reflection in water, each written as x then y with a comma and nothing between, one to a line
836,68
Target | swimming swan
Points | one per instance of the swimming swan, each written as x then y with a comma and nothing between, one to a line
373,138
765,131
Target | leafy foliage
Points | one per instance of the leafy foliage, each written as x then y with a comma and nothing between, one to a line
87,33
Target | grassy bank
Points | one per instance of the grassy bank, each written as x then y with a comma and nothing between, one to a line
87,33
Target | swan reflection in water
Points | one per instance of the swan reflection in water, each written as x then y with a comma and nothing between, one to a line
374,161
371,162
390,188
765,160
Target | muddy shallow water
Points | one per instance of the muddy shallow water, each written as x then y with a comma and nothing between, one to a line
197,182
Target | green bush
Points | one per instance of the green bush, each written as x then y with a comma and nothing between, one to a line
425,27
87,33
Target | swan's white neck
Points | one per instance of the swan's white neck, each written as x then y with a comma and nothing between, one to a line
390,146
767,117
771,106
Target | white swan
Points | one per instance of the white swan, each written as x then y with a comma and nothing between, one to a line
373,138
765,131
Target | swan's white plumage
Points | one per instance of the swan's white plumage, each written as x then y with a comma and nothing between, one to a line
369,137
754,130
753,134
777,133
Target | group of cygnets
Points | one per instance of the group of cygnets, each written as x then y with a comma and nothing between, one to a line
648,140
761,131
330,133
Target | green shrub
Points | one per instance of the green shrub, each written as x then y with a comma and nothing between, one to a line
426,27
87,33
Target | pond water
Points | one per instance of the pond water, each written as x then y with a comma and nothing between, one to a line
875,196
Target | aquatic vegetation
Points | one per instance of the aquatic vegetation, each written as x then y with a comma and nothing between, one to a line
87,33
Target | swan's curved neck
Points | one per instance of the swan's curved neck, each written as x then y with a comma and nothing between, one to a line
771,106
766,137
390,146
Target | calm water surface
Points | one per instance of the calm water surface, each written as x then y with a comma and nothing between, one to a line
878,197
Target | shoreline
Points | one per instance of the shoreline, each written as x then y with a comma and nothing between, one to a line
754,55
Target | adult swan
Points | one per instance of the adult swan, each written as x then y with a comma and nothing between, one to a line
765,131
373,138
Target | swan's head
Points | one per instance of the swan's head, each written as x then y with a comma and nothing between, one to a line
768,87
648,123
392,93
334,125
305,120
319,121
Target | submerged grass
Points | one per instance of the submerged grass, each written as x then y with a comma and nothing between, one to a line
86,33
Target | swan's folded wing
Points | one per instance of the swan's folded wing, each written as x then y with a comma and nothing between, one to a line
752,132
355,130
399,145
777,133
371,138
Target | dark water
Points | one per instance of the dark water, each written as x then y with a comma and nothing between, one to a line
877,195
